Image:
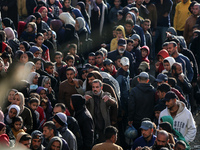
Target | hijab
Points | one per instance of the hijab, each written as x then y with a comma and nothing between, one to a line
56,25
40,11
67,18
9,33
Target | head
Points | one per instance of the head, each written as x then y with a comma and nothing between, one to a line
17,123
25,140
49,67
37,139
32,27
59,107
144,51
180,145
49,130
70,74
170,100
58,57
195,10
130,43
177,69
24,58
117,3
146,25
129,24
18,99
39,38
108,65
77,102
11,94
161,78
111,134
162,89
143,77
97,87
70,60
37,51
147,129
67,3
2,128
73,49
157,109
91,58
13,111
125,63
139,2
121,45
162,138
34,103
60,120
99,57
136,40
172,48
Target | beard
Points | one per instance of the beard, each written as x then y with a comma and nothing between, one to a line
95,93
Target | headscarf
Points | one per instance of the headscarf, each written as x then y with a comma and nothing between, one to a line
56,24
40,11
42,80
34,49
81,23
31,76
22,101
39,89
83,11
67,18
9,33
16,107
34,26
170,59
1,116
26,45
29,19
28,66
8,23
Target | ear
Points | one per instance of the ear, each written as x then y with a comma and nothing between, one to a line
148,81
138,79
102,87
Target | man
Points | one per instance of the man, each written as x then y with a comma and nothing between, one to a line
84,119
60,121
190,22
147,138
180,145
181,14
71,122
129,25
121,51
99,103
182,80
183,119
23,139
187,68
162,140
141,102
111,138
49,131
109,67
36,142
68,87
99,59
91,58
143,11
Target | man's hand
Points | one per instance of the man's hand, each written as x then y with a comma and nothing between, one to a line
76,83
181,77
87,97
56,74
130,123
106,98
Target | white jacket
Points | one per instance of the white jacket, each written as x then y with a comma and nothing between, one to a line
183,121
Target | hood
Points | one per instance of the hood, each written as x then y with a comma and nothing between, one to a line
164,53
26,45
172,30
31,76
133,16
181,106
67,18
42,80
55,138
8,23
77,13
144,87
78,102
122,29
81,23
171,60
9,33
168,119
147,48
39,89
56,25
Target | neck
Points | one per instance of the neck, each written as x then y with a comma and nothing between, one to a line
149,138
101,65
109,141
174,109
175,55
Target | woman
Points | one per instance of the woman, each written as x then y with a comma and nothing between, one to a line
33,80
43,11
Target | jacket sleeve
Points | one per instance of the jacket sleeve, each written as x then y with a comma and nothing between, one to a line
186,31
190,72
131,106
191,129
61,94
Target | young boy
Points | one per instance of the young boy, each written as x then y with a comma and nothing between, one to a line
129,46
146,25
49,68
114,10
167,63
73,51
58,61
70,60
145,53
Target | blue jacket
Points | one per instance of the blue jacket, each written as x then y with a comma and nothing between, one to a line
142,142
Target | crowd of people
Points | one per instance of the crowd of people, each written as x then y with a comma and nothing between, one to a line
99,74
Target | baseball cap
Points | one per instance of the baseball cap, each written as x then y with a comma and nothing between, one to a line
144,65
122,42
170,95
146,125
107,62
161,77
144,75
86,66
124,61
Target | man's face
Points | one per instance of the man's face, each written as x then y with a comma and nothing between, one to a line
117,3
129,46
161,140
121,49
195,10
70,75
109,68
146,133
125,68
180,147
55,145
36,143
157,114
96,88
90,80
47,133
128,28
171,49
146,26
161,95
56,110
170,104
91,60
119,34
99,59
139,2
178,69
67,3
130,1
27,143
57,124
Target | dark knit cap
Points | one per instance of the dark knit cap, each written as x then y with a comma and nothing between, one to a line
78,101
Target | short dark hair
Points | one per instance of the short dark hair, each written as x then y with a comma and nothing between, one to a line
51,126
99,53
61,105
47,64
129,21
25,137
39,34
16,119
34,100
174,43
180,142
71,68
58,53
68,57
175,64
146,20
172,81
91,54
164,87
129,41
73,45
110,131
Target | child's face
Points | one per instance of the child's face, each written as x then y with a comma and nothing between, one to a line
18,125
117,63
144,53
129,46
72,51
114,33
160,58
29,29
67,3
58,58
49,34
11,96
157,114
43,94
167,66
34,106
43,105
146,26
70,63
12,113
49,69
117,3
38,65
119,34
136,42
44,13
16,100
35,80
3,131
21,47
47,84
23,58
39,40
45,35
119,17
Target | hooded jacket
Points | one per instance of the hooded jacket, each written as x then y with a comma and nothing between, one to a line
55,138
114,42
183,121
84,119
164,54
148,52
141,102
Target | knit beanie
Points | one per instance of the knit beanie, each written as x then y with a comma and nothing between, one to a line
78,101
61,118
